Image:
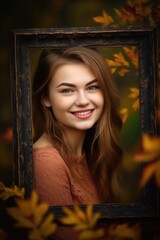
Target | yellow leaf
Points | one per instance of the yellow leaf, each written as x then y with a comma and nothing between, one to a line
124,114
34,199
123,72
91,234
135,105
39,213
132,53
89,211
105,19
50,230
81,226
123,231
94,219
72,219
134,93
113,70
151,143
13,191
148,171
112,63
144,156
22,221
81,220
48,227
150,149
67,211
74,216
118,12
25,207
120,60
80,214
35,235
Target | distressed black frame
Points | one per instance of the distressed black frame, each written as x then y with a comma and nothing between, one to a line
22,40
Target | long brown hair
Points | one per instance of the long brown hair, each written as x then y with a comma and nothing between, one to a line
101,145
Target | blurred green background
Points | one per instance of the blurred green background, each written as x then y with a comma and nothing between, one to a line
45,14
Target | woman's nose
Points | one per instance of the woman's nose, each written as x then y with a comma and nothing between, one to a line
82,99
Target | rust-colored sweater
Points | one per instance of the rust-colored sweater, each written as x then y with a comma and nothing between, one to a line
56,186
54,182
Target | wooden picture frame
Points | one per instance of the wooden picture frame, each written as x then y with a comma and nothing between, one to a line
23,40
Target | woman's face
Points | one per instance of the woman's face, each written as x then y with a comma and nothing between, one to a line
75,97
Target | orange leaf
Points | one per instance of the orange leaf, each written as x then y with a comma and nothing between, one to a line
135,105
105,19
124,114
132,54
148,171
134,93
123,72
144,156
151,143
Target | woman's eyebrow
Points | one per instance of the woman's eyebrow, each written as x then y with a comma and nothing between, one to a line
73,85
93,81
66,84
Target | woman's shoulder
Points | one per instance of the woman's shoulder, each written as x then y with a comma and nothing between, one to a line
42,142
48,159
43,150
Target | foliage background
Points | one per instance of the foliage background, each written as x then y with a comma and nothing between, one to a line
46,14
41,14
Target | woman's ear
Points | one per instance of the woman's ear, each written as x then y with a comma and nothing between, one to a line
46,102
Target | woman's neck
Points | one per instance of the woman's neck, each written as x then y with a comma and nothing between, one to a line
75,139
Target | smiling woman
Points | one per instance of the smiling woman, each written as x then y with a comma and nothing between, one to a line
76,126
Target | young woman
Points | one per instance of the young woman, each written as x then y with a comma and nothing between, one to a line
76,125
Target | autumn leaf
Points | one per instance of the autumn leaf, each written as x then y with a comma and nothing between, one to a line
125,16
113,69
151,143
135,96
124,114
90,234
105,19
124,231
118,61
147,173
149,154
32,214
82,221
134,93
135,105
123,72
132,54
47,227
13,191
150,148
135,12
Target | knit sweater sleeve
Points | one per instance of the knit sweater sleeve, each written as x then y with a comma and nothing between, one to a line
52,178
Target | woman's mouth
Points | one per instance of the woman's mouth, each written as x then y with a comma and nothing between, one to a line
83,114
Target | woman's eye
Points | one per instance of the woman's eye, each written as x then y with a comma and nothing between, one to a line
66,90
93,88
